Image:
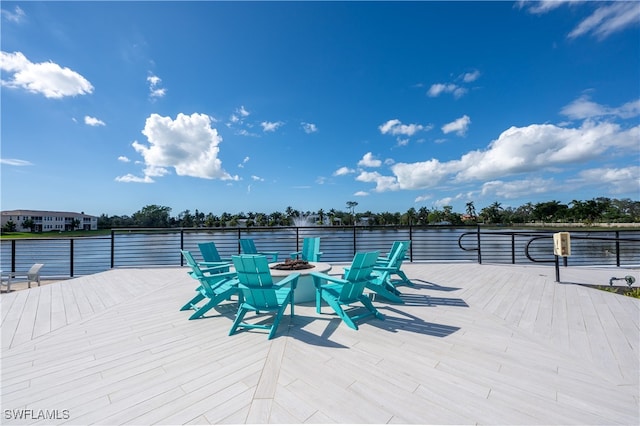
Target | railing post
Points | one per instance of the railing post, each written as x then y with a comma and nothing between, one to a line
618,249
479,246
71,258
13,255
557,262
410,242
513,249
113,248
354,240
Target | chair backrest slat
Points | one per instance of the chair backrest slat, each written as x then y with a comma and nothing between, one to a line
253,270
209,252
358,275
255,280
248,246
311,249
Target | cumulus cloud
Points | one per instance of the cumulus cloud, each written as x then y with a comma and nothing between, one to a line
269,126
383,183
257,178
439,88
516,188
619,180
155,91
395,127
309,127
368,161
360,194
92,121
17,16
187,144
459,126
46,78
124,159
517,150
342,171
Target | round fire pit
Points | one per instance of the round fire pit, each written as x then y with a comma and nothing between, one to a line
293,265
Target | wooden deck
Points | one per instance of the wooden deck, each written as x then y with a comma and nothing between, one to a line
474,344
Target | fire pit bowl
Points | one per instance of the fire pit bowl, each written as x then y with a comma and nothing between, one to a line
293,265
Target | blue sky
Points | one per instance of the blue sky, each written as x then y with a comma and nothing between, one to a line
258,106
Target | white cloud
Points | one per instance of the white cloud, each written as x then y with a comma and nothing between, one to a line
437,89
608,19
129,178
92,121
245,161
583,108
342,171
470,77
517,150
460,126
46,78
383,183
516,188
368,161
422,198
17,16
269,126
360,194
243,111
124,159
309,127
257,178
187,144
622,180
395,127
154,90
15,162
539,7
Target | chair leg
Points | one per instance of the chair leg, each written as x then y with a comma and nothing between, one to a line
367,303
342,314
278,317
191,304
238,321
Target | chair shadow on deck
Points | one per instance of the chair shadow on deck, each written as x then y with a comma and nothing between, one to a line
403,321
427,285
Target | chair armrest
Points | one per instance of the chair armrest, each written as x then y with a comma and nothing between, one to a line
289,279
295,254
319,276
215,268
273,254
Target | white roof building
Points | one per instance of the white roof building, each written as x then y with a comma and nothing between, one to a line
46,220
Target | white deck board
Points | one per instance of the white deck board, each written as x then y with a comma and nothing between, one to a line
473,344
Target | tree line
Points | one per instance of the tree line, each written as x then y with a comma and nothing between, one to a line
597,210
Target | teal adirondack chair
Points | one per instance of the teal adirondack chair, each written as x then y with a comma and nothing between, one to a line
310,250
384,271
214,287
383,260
339,292
248,246
260,294
210,254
